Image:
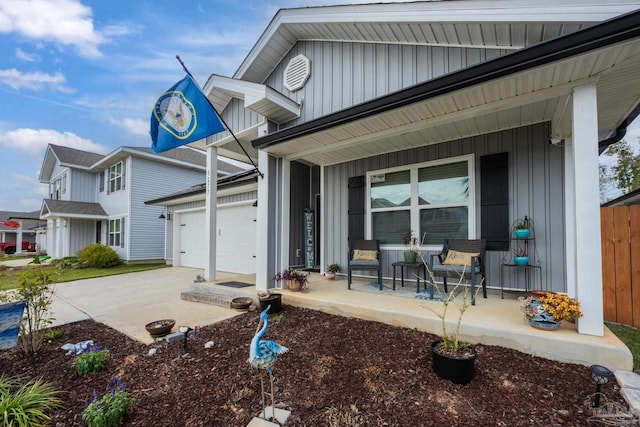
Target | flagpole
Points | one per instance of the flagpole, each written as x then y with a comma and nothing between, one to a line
184,67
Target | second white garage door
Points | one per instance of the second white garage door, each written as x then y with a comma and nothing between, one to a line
236,239
236,234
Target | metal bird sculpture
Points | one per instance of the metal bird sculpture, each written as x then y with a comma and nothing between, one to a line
263,355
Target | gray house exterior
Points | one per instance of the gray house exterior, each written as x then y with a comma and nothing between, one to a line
363,114
96,198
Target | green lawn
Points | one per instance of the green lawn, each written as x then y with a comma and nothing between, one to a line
9,278
631,337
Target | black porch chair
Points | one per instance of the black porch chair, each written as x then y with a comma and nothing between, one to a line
367,257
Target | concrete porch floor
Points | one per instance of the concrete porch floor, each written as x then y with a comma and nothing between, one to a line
492,321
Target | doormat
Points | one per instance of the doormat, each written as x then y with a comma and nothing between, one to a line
235,284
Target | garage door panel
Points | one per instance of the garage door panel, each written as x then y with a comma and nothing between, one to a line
191,249
236,244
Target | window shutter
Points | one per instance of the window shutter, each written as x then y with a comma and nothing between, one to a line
108,180
356,195
124,173
122,232
494,201
101,179
64,183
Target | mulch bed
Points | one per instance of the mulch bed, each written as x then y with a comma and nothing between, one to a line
338,372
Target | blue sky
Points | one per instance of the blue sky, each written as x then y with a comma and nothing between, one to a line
85,74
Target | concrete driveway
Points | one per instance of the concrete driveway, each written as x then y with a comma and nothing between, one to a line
127,302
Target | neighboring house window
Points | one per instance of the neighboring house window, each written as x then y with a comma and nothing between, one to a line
432,199
115,177
101,178
115,232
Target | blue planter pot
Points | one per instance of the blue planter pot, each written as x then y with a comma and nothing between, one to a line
521,260
522,233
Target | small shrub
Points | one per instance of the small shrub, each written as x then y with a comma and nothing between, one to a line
93,360
110,409
34,286
99,256
53,334
25,403
68,263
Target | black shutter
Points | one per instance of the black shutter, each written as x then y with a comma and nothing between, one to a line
356,207
494,202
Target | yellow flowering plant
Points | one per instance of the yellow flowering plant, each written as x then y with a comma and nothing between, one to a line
560,306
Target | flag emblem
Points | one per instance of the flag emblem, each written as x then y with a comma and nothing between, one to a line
182,115
176,114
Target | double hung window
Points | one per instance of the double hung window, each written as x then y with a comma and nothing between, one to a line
434,200
115,232
115,177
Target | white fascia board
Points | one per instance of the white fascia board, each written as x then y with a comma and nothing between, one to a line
51,215
251,93
125,152
503,11
250,132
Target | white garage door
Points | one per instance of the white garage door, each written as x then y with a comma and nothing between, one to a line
236,239
191,240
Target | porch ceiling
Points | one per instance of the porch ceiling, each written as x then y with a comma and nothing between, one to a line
536,95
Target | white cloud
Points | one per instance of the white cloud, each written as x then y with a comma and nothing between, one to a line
65,22
134,126
28,57
34,141
35,81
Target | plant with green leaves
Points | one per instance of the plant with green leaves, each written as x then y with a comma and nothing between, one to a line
94,359
110,409
26,403
36,287
451,338
99,255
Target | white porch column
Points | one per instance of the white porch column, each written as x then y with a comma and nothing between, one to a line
285,217
570,213
262,228
210,224
59,237
586,221
19,238
323,247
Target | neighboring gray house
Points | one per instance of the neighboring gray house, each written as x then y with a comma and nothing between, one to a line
100,198
507,102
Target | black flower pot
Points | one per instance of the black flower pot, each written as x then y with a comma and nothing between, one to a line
273,301
455,369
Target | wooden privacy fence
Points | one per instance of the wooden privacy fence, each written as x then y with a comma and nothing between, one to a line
620,227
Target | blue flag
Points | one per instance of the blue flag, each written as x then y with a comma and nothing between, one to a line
182,115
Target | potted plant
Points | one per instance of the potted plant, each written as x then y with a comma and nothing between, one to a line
520,256
548,310
271,300
453,359
412,250
332,269
521,229
296,279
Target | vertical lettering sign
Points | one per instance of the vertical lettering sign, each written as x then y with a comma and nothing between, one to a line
309,246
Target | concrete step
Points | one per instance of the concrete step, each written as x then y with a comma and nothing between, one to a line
629,383
208,298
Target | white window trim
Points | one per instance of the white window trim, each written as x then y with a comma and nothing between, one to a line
116,177
109,233
415,208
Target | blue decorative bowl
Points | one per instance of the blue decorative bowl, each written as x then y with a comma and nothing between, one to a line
544,325
521,260
521,233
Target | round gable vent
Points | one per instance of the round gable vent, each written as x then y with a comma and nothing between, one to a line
297,72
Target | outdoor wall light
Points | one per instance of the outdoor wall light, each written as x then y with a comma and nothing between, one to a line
600,376
162,216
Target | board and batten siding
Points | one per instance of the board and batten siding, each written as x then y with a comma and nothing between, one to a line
83,186
535,189
346,74
238,118
149,180
82,232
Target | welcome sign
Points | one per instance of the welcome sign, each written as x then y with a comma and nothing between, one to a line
10,319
